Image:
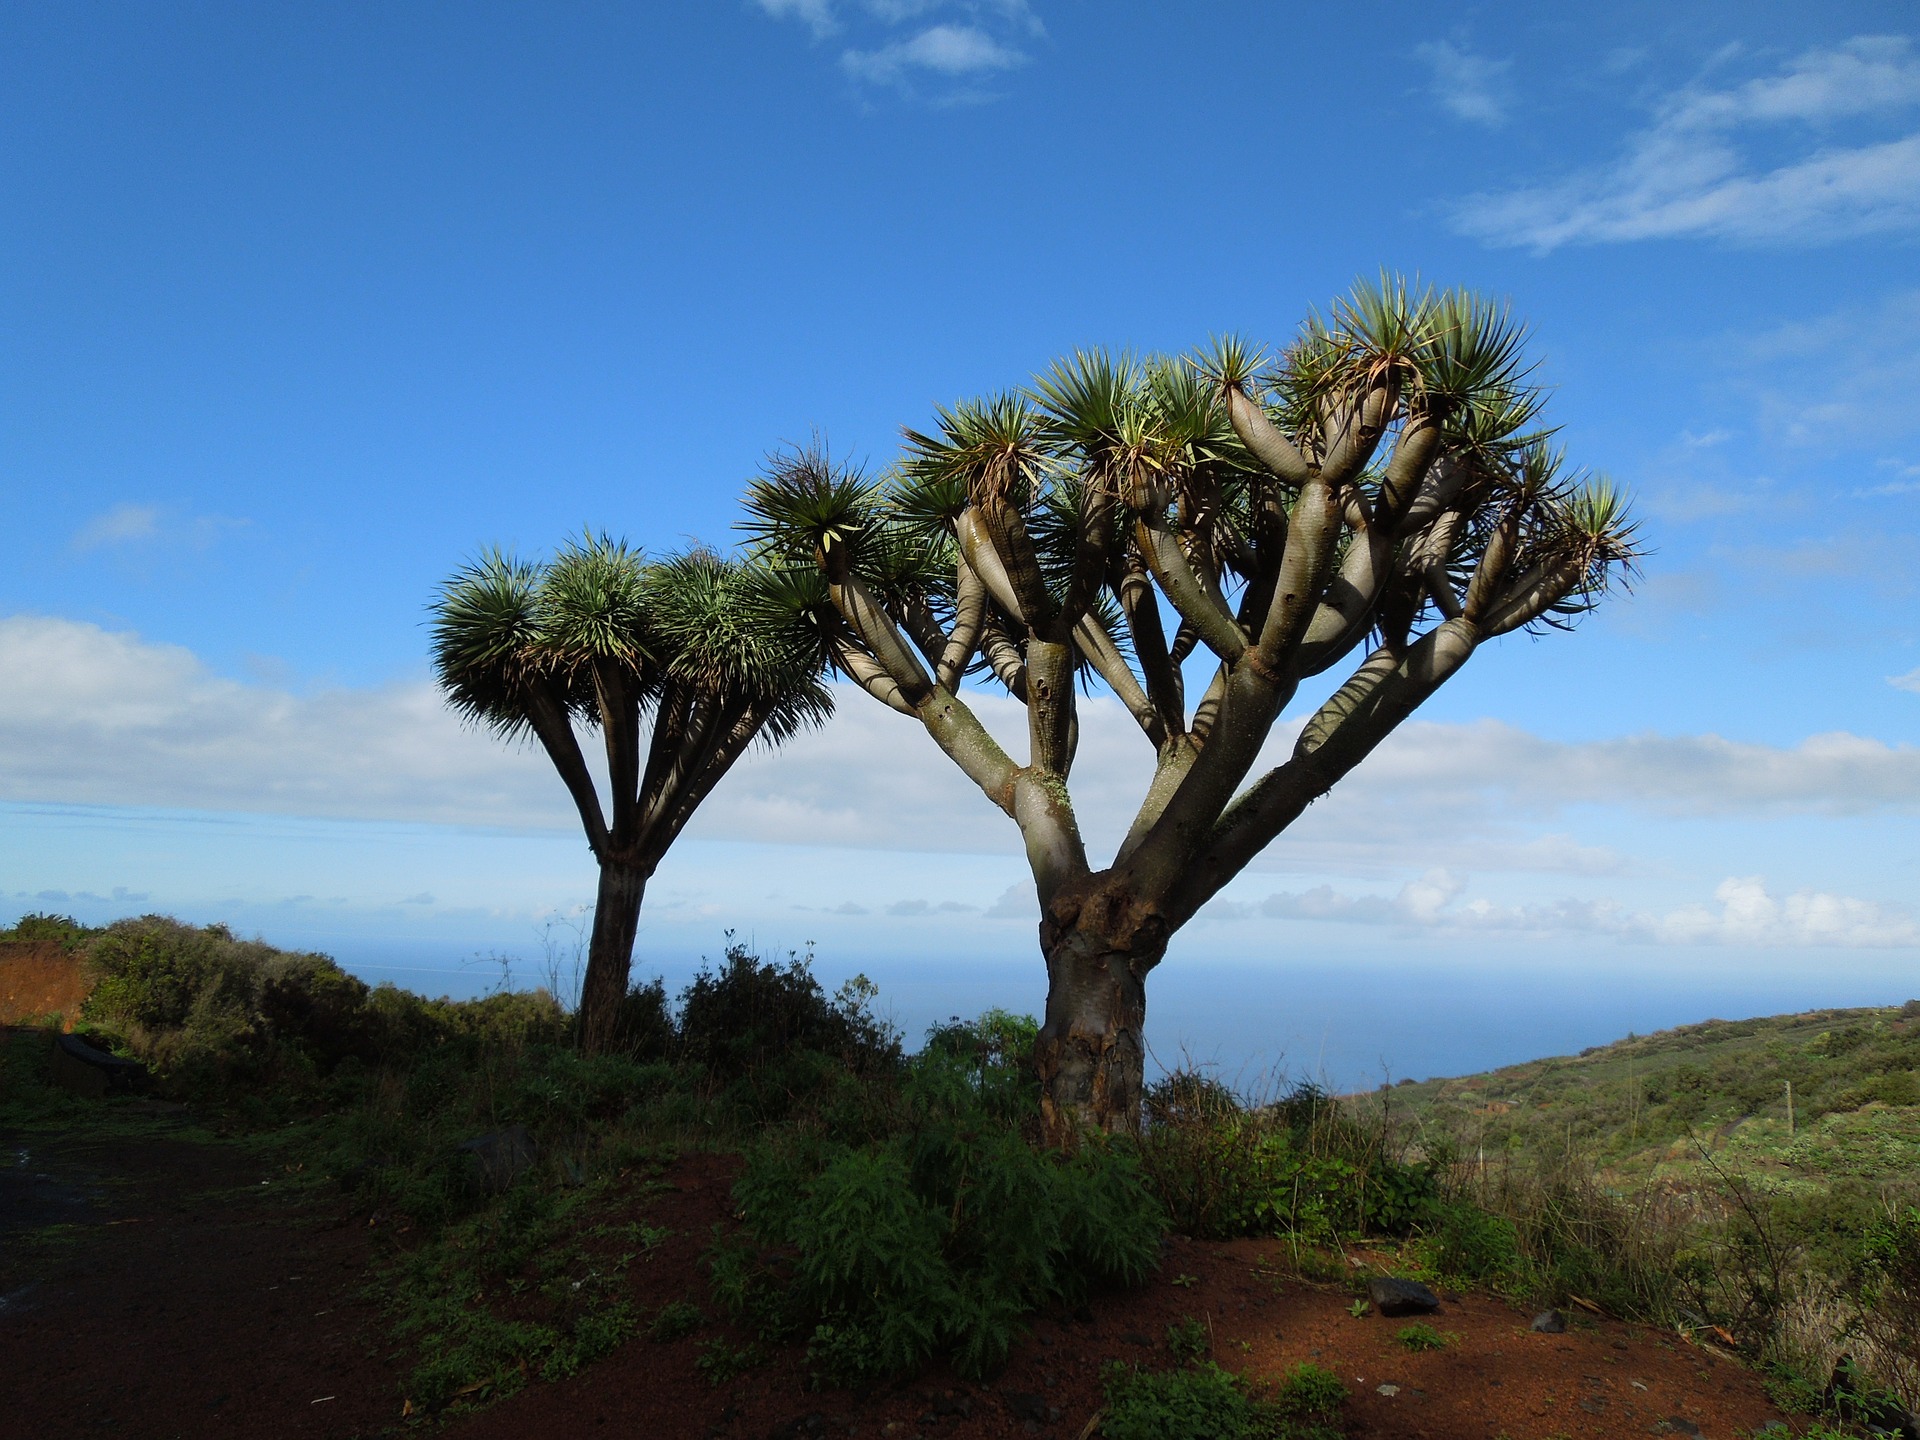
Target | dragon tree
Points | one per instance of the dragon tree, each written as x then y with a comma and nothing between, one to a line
1201,537
680,664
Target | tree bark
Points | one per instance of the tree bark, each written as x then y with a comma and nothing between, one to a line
1091,1052
616,918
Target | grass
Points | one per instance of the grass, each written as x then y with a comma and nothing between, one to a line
1663,1178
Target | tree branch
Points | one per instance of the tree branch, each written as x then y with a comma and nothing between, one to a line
1211,620
1252,821
547,713
1050,705
875,630
1091,638
1531,596
1263,439
1141,607
620,731
1008,665
969,618
865,671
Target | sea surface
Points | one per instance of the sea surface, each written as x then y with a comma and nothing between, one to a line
1349,1024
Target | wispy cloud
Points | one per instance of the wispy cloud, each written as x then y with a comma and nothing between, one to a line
952,51
1909,681
128,527
1849,375
1906,481
1744,912
93,716
124,524
1696,170
944,61
816,15
1468,86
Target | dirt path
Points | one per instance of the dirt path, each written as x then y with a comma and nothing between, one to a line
154,1287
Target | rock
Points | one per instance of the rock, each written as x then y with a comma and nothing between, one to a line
1023,1406
75,1065
1677,1425
1387,1390
1402,1297
498,1158
1550,1322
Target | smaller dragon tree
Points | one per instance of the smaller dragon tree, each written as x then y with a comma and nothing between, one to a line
1379,498
680,664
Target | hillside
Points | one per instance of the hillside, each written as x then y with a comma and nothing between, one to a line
1647,1105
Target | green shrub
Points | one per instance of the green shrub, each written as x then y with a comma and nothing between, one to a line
741,1018
1203,1402
1188,1339
675,1320
1298,1167
1474,1247
645,1028
1420,1336
928,1224
720,1360
62,930
1309,1392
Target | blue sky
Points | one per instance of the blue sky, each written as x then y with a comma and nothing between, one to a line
298,309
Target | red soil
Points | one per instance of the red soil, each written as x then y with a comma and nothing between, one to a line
188,1305
1496,1377
176,1298
38,979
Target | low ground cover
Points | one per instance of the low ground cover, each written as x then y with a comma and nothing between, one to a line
888,1212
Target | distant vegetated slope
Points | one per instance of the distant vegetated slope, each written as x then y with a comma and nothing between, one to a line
1648,1105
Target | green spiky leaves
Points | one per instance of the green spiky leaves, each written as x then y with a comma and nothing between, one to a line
723,628
805,509
486,639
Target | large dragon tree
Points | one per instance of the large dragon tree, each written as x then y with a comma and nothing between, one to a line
1379,497
680,665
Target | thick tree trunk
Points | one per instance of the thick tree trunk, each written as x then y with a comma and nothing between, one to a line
616,917
1091,1053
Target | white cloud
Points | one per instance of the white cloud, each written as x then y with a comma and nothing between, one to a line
1016,902
1748,915
1694,171
1745,913
951,51
89,716
1909,681
1906,481
122,525
1468,86
127,527
942,62
817,15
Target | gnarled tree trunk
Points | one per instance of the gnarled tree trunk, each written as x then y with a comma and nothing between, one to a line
616,918
1091,1054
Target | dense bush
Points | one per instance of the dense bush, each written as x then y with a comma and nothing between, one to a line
1301,1166
925,1223
771,1038
41,928
212,1012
